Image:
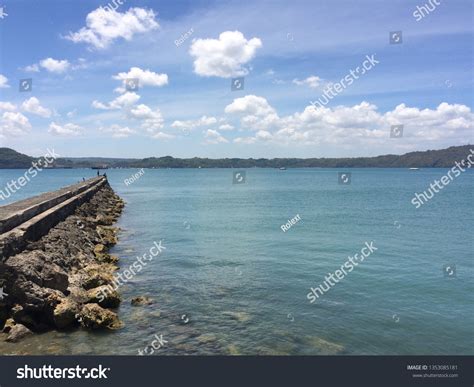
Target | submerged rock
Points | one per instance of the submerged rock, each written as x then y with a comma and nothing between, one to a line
324,347
141,300
206,338
238,316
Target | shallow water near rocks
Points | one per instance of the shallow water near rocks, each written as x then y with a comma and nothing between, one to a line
232,282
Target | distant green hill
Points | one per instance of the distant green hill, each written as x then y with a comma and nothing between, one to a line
12,159
443,158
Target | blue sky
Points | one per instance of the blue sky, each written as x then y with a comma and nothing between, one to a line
288,52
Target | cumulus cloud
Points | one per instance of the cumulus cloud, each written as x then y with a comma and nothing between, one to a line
351,125
312,81
125,100
103,27
118,131
214,137
163,136
54,65
193,124
226,127
14,124
33,106
224,57
67,130
7,106
145,78
3,82
151,120
256,113
34,68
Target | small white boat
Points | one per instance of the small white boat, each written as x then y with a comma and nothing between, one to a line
414,169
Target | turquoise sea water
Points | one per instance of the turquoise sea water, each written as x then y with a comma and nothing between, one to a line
241,282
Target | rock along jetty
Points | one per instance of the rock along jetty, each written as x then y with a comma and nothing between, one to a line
54,260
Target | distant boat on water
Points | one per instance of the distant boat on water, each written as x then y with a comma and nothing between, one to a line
100,167
414,169
282,168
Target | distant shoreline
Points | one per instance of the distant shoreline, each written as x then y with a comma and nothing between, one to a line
443,158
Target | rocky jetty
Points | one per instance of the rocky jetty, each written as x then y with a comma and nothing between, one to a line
55,281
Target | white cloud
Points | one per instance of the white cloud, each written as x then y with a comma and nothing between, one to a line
72,113
118,131
105,26
125,100
250,105
226,127
192,124
64,130
256,113
312,81
151,120
7,106
14,124
54,65
80,64
3,82
214,137
224,57
34,68
33,106
358,125
245,140
145,78
163,136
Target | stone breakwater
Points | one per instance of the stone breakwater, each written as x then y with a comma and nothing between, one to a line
56,280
